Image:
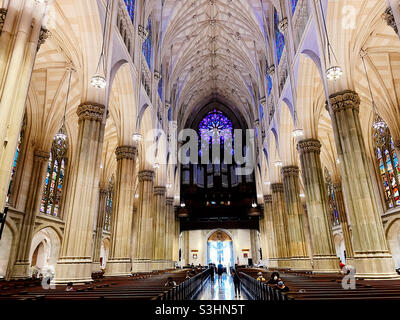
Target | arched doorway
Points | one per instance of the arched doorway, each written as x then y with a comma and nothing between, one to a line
220,249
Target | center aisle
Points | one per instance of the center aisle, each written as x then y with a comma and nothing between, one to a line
221,289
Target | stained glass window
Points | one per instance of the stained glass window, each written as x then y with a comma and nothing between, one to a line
146,48
294,4
17,158
130,6
279,37
109,206
334,214
388,165
160,88
269,84
215,127
51,198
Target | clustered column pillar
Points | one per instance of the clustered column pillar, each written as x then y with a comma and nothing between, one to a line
21,266
170,230
297,241
144,231
340,206
99,229
324,256
371,255
75,262
120,262
280,225
160,236
269,232
176,236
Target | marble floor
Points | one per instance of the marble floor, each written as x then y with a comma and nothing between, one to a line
221,289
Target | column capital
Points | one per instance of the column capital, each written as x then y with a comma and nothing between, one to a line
263,102
126,152
103,192
344,100
91,111
157,75
271,70
143,33
160,191
169,201
41,156
283,25
290,171
43,36
277,187
146,175
3,13
389,18
337,186
309,146
268,198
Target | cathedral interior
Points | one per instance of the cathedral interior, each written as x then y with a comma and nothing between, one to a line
142,140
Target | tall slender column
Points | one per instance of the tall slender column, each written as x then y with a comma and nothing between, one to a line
324,256
159,227
297,241
176,236
120,262
371,255
170,228
144,231
280,223
340,206
99,229
21,266
269,233
20,38
75,262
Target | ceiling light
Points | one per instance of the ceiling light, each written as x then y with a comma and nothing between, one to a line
156,165
254,205
98,82
333,73
278,163
183,205
267,183
137,137
302,195
136,196
297,133
168,185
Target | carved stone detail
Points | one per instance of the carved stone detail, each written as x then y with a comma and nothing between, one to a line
169,201
91,111
126,152
268,198
157,75
271,70
3,13
283,25
309,146
143,33
43,36
290,171
344,100
389,18
277,187
41,156
160,191
146,175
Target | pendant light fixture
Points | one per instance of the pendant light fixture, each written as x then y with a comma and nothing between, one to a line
62,133
378,121
99,80
333,72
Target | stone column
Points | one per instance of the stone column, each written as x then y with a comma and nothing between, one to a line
392,15
324,256
371,255
159,226
119,262
300,259
21,34
269,233
145,219
176,237
341,208
170,227
21,266
99,229
75,262
280,222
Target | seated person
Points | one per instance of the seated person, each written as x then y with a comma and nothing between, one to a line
170,282
260,277
273,281
69,287
281,286
188,275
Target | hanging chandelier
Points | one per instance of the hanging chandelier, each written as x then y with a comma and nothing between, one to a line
62,133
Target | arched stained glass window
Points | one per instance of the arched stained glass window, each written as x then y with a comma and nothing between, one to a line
160,88
294,4
215,127
53,188
388,165
109,205
130,6
279,37
269,84
147,46
334,214
17,159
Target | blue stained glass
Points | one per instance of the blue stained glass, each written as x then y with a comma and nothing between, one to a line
269,84
130,6
215,126
147,46
294,4
279,37
160,88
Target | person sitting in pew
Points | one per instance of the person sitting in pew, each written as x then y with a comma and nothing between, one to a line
281,286
170,282
187,275
260,277
273,281
69,287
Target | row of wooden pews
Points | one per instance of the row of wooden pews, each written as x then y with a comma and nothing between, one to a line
149,286
307,286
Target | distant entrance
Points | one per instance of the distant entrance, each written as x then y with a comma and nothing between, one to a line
220,249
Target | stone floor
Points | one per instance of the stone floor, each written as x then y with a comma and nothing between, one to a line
221,289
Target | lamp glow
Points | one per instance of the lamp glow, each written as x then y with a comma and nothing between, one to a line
297,133
98,82
137,137
278,163
333,73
